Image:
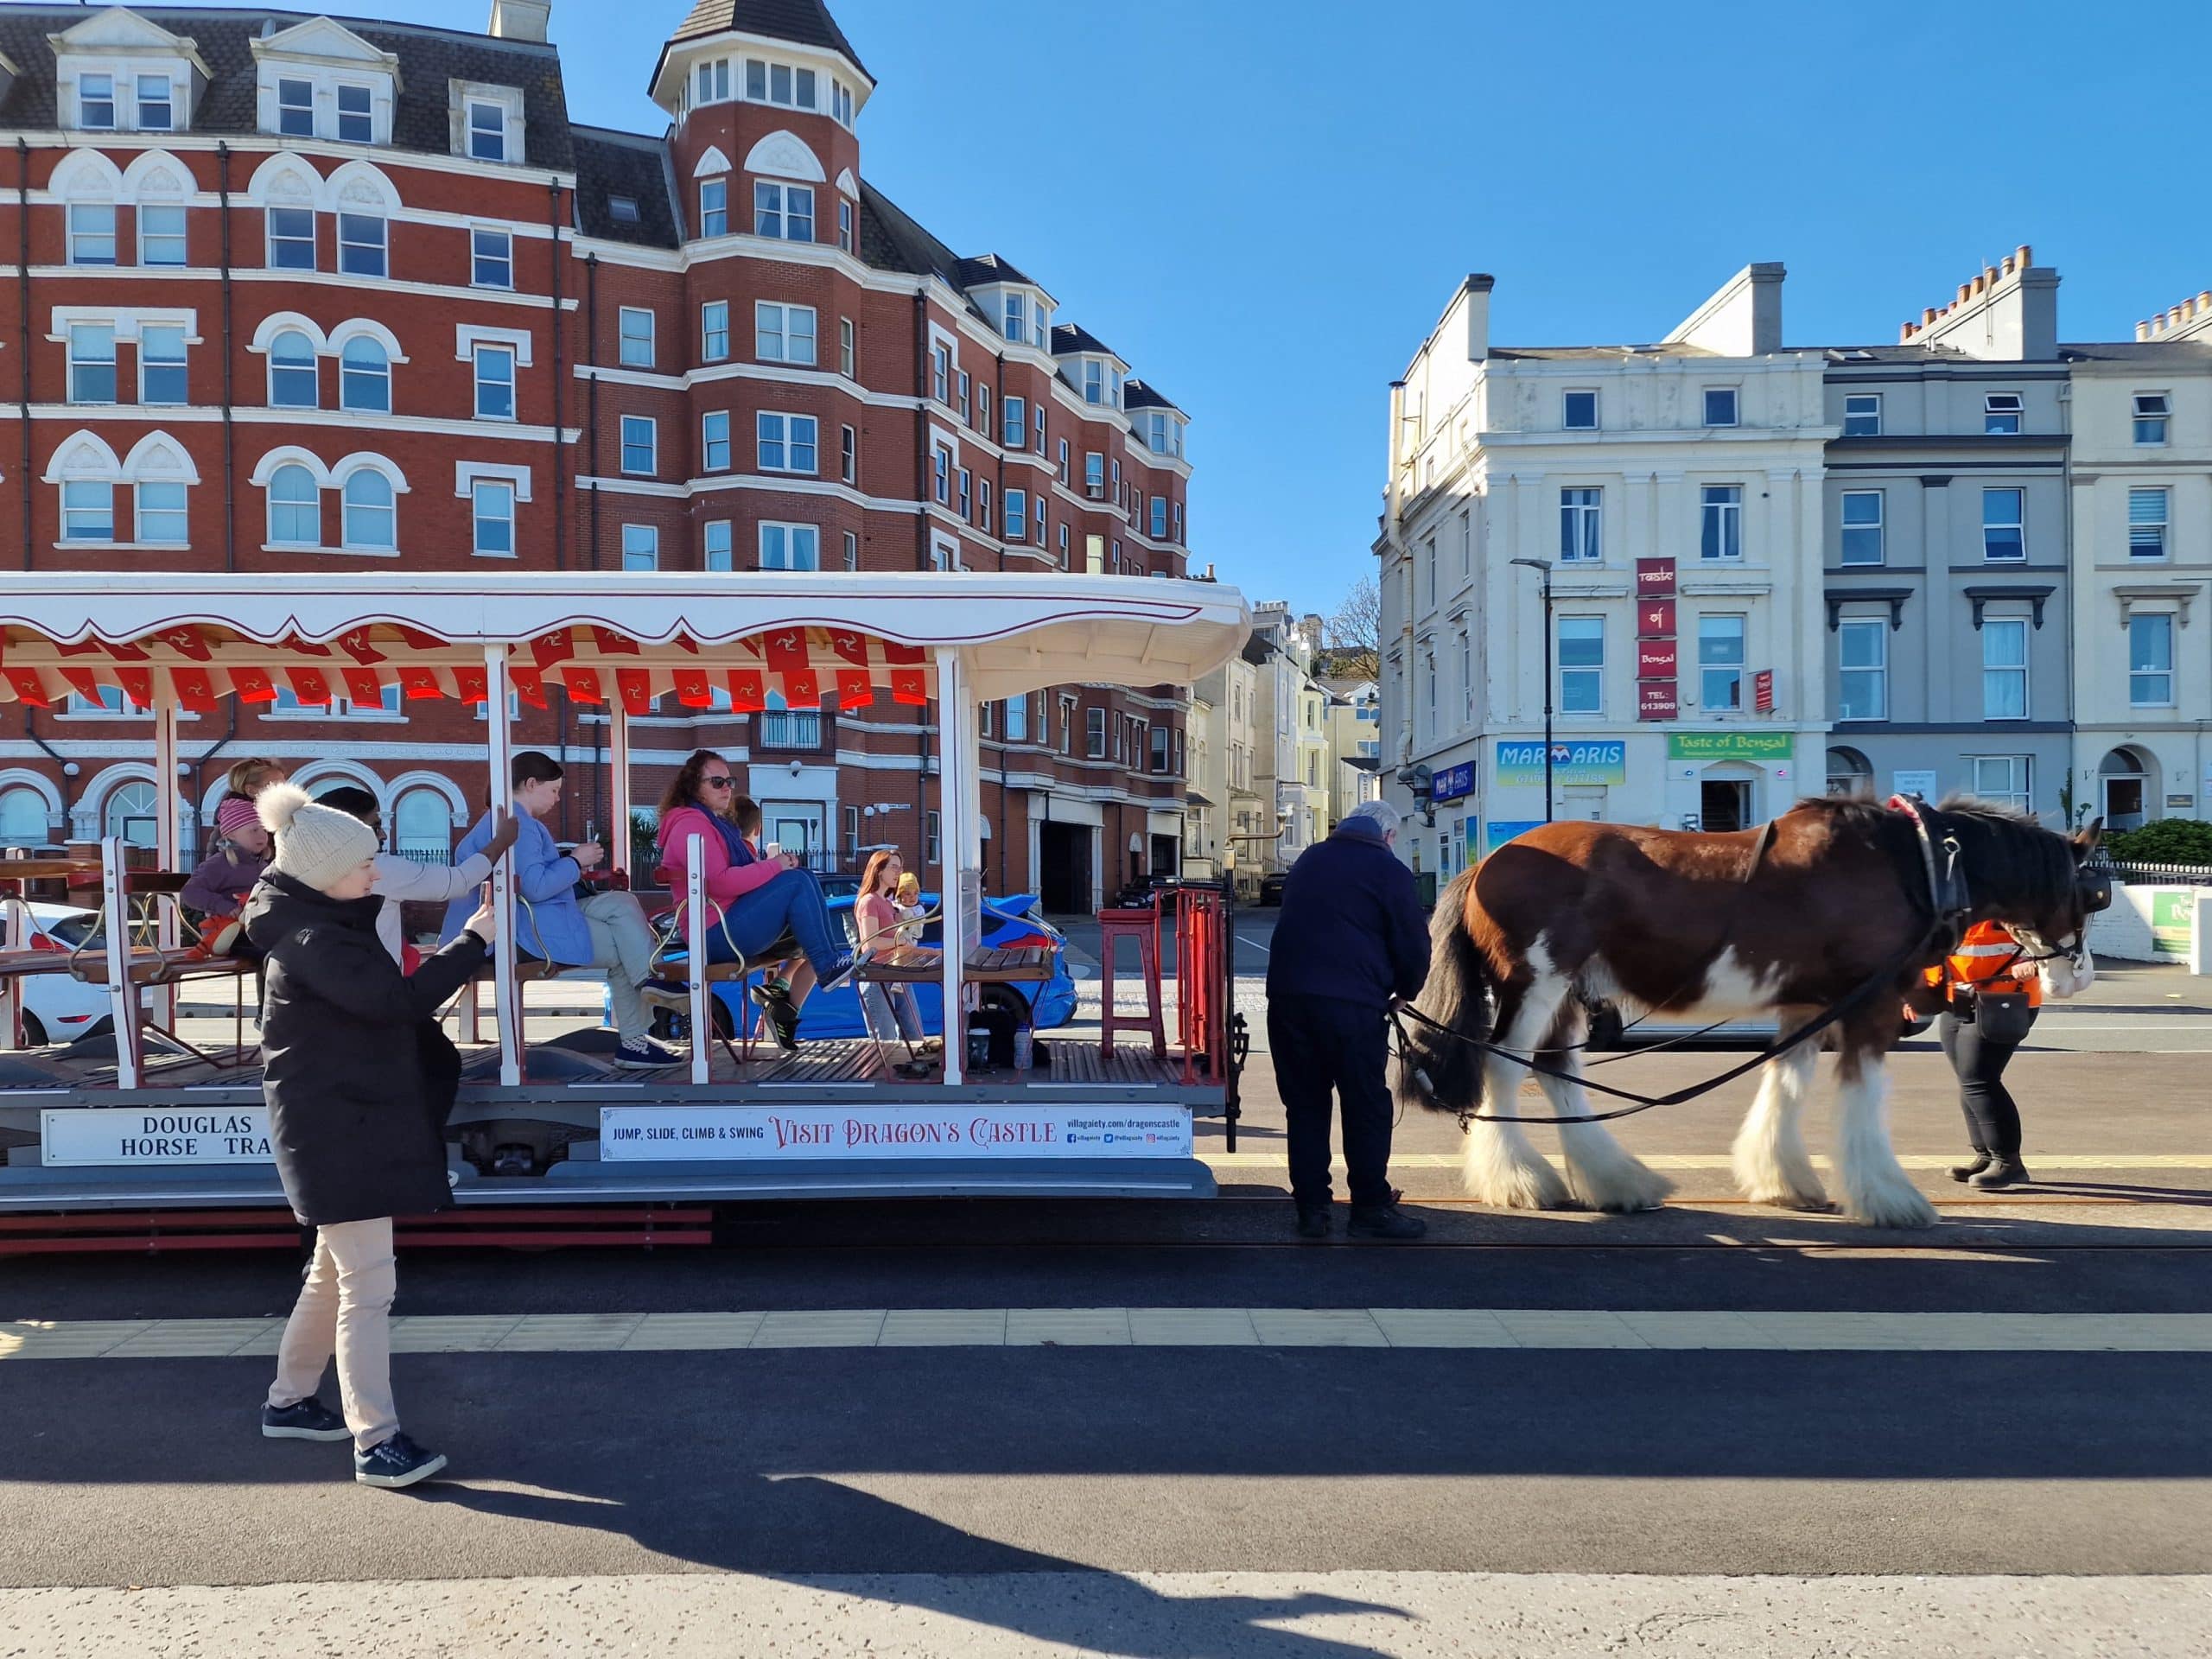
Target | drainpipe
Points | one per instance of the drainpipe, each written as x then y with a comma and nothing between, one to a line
591,400
553,224
2073,599
1391,526
24,324
230,431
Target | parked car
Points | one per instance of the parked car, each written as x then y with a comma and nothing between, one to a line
58,1007
1009,923
1271,886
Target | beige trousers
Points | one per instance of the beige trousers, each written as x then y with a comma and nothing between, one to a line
622,942
345,1308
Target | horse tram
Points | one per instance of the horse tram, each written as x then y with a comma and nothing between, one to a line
133,1138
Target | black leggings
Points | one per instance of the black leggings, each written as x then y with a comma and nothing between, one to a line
1993,1120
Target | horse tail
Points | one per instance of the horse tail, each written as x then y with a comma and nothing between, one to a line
1435,1069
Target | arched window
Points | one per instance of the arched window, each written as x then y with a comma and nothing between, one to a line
370,520
293,382
1850,772
421,826
365,376
22,817
294,507
2127,786
132,813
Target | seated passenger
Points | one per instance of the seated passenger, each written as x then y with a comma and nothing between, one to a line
400,880
761,897
607,930
243,783
892,1014
220,884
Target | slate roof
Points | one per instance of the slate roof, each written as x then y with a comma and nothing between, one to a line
803,23
428,58
2138,351
892,240
611,164
988,268
1135,394
1073,337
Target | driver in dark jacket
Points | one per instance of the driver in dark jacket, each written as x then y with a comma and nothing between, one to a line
358,1080
1351,938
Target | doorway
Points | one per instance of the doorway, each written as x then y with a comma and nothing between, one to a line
2124,777
797,827
1724,804
1064,852
1167,855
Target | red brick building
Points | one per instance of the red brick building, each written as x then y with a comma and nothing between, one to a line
293,291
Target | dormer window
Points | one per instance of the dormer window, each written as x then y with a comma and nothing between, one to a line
1017,318
780,83
96,102
488,130
356,122
156,104
295,108
1094,381
623,210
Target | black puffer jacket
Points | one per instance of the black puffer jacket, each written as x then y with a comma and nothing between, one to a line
358,1078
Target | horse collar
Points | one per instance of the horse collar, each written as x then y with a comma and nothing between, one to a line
1940,858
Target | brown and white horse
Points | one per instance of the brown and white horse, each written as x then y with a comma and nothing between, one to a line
1710,926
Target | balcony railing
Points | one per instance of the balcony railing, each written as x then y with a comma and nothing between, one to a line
797,731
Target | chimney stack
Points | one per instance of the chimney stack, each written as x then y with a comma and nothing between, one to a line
519,19
2004,312
1742,319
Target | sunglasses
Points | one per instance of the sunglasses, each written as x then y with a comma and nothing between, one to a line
722,782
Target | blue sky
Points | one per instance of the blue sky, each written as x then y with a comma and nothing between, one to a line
1264,204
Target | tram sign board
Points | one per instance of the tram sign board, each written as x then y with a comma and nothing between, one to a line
797,1135
130,1137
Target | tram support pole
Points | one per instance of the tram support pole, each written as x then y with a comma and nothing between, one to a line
958,863
499,753
166,798
122,994
694,961
618,750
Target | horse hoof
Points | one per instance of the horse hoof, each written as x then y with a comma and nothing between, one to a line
1815,1202
1634,1193
1904,1209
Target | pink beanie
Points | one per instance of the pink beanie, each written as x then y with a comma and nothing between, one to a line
235,813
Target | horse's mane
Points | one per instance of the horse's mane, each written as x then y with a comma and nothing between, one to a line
2009,857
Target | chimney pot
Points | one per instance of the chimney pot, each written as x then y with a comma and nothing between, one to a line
2142,331
2174,316
2025,255
2011,265
1965,293
1989,276
1904,332
1927,314
2204,299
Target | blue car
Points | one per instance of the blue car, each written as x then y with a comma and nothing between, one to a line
1009,923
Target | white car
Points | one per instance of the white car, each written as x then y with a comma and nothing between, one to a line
59,1007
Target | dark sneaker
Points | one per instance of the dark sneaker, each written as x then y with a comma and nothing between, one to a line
1383,1221
839,970
774,1001
398,1462
2002,1172
1966,1171
644,1054
1312,1223
303,1420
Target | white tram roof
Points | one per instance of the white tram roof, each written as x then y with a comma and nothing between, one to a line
163,637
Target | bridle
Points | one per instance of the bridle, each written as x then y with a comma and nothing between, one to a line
1951,901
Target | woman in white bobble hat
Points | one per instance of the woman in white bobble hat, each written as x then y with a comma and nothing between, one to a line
359,1081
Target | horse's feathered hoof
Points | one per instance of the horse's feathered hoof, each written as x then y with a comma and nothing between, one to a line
1900,1206
1629,1189
1537,1186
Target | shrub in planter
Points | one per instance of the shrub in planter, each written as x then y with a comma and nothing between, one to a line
2167,841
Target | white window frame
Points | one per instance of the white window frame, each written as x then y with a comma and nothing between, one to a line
848,454
2148,408
2017,523
1992,629
1566,409
2157,541
2141,679
792,540
1877,527
641,547
1581,525
272,241
311,372
775,213
1725,512
787,438
714,340
637,329
1872,413
2018,779
313,505
1735,397
500,243
775,338
493,143
714,206
348,372
718,548
366,116
852,550
141,532
494,351
1739,668
148,236
347,508
714,433
650,443
1876,628
294,120
491,491
359,253
85,236
94,496
1999,407
80,334
1015,506
1594,673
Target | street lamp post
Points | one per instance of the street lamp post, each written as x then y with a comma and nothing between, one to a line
1543,569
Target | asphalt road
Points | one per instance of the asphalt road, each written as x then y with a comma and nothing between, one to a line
974,1467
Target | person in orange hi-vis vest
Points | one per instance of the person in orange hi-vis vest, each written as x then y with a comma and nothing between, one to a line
1990,997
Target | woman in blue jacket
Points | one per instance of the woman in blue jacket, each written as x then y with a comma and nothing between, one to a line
607,930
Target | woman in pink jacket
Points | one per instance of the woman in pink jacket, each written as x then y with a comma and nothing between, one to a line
759,899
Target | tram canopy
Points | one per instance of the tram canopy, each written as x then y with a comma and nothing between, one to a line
626,637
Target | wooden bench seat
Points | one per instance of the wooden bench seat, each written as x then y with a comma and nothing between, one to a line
915,964
156,967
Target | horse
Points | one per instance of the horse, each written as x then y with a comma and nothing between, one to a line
1838,901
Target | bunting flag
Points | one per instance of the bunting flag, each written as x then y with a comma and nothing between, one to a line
685,642
355,644
693,690
28,687
82,648
294,643
903,656
471,685
420,640
855,689
138,685
748,692
849,647
636,687
83,682
551,648
310,686
910,686
529,685
253,685
785,650
195,688
123,653
363,686
186,641
583,685
802,688
612,644
419,684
